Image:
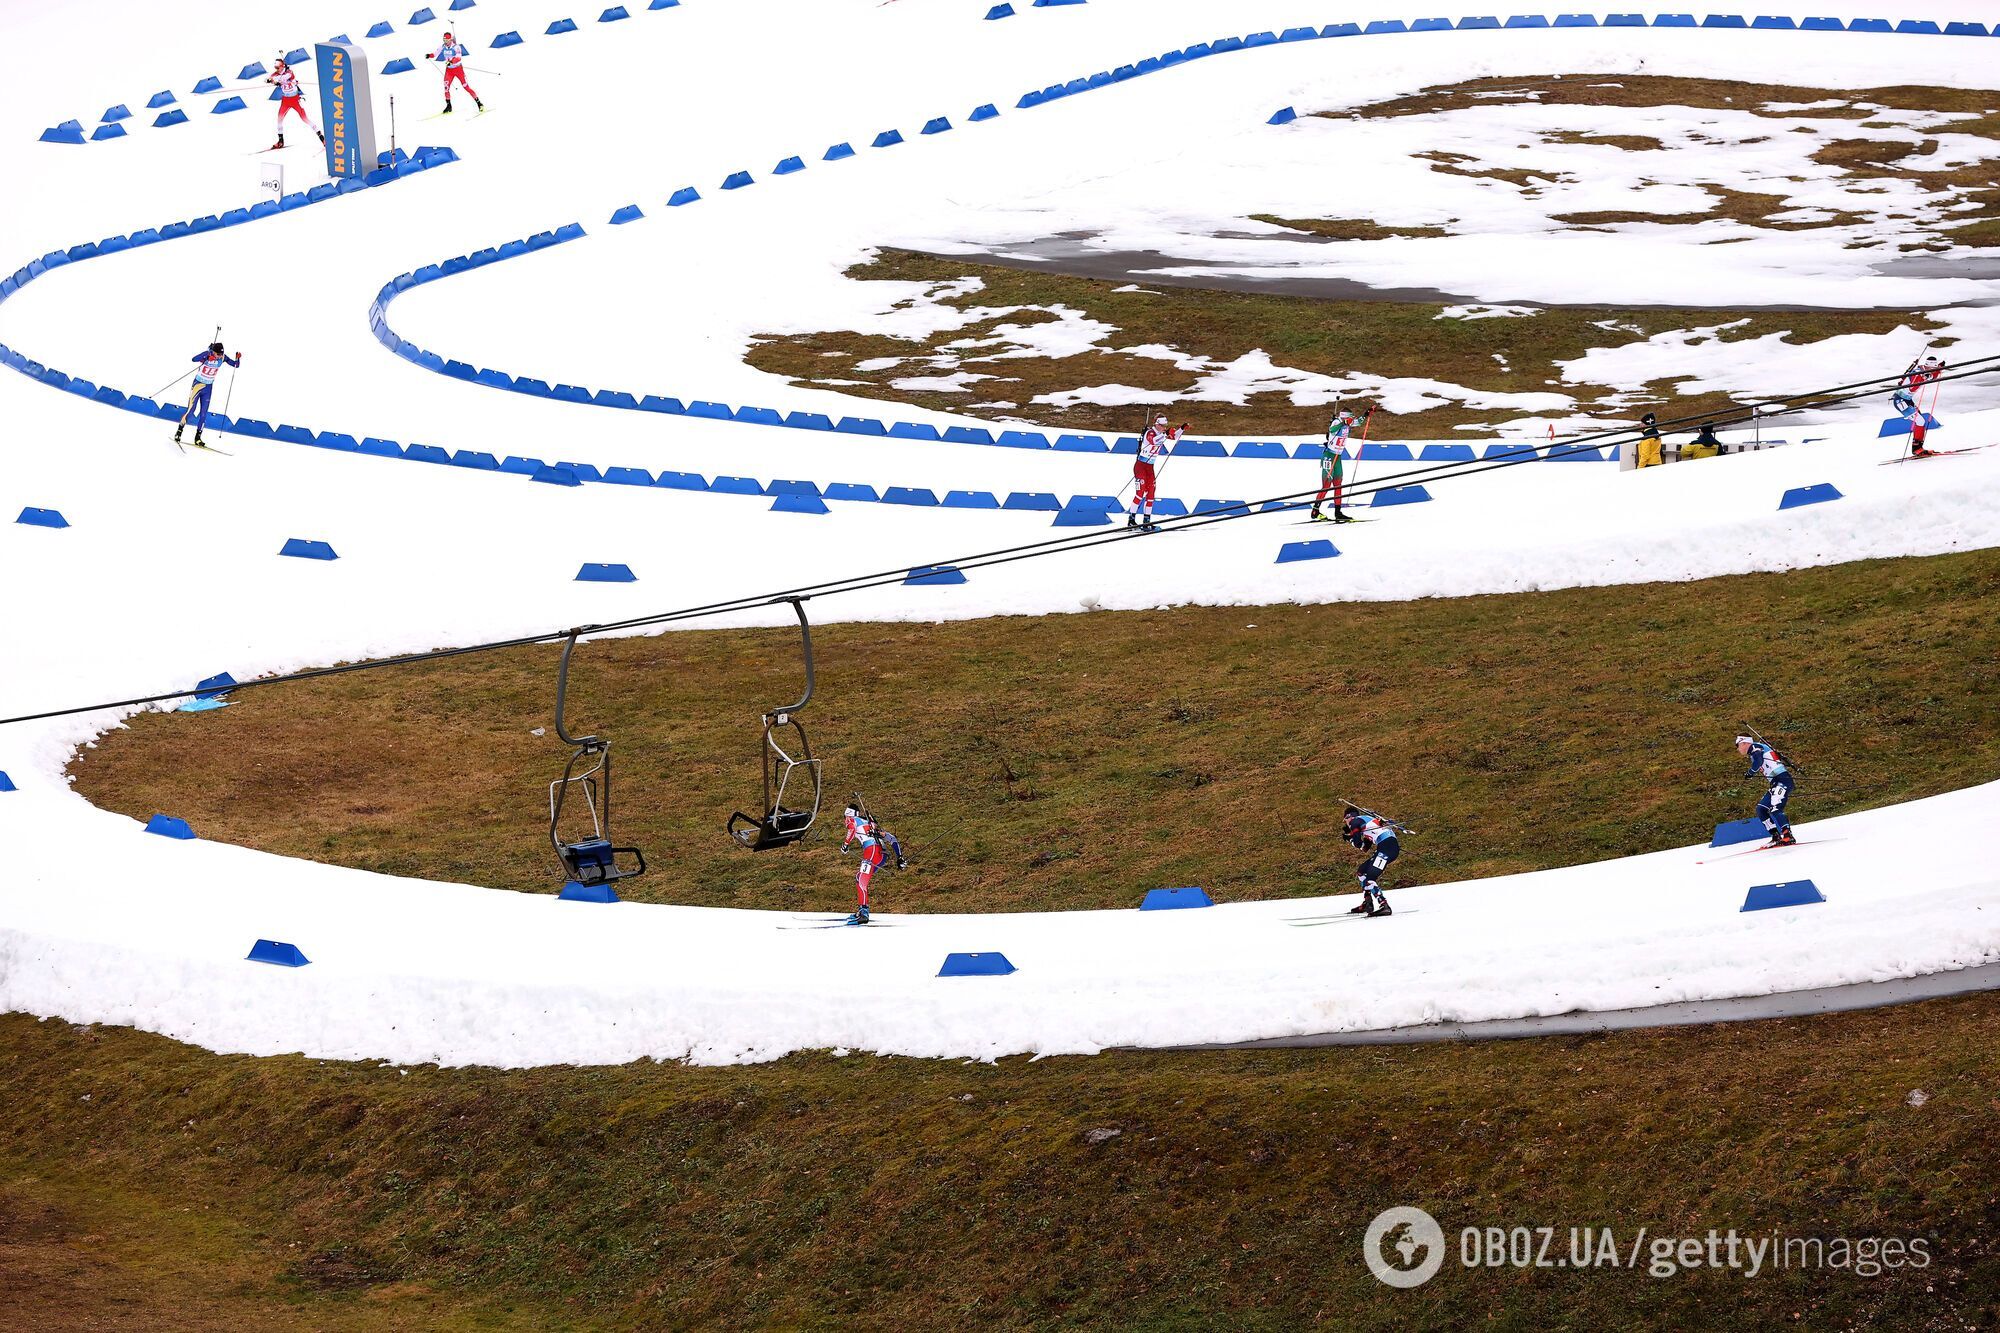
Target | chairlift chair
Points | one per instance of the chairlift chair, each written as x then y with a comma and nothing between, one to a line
791,773
591,859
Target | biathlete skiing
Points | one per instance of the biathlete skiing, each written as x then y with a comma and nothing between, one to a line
453,54
1154,448
208,363
1368,832
290,101
877,845
1905,400
1767,763
1333,457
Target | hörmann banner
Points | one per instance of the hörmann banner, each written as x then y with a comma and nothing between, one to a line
347,112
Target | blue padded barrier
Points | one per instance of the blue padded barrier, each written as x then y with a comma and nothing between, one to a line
1869,25
277,953
1305,34
613,14
166,826
1789,893
1318,549
1524,452
985,111
117,112
1446,453
1258,449
1775,21
381,29
159,99
1965,30
1374,452
227,104
1399,495
759,416
166,118
298,55
1381,27
400,65
1036,501
615,398
808,421
7,783
968,435
596,573
979,964
851,490
687,194
701,407
1724,21
1169,507
457,5
516,465
1081,444
1570,453
860,426
736,486
787,487
1809,495
915,430
663,4
477,459
736,180
1477,23
1284,115
934,575
555,474
788,166
1002,10
208,85
42,518
573,892
837,152
970,500
798,502
1739,830
1200,449
888,139
1217,506
509,38
910,495
560,26
67,132
1674,21
301,548
328,439
1089,516
376,447
582,471
936,125
1901,426
421,16
570,393
682,481
103,132
214,687
1174,900
1022,439
1624,20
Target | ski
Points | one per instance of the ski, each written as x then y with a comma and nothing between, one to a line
1345,916
1934,453
1336,522
184,446
1766,847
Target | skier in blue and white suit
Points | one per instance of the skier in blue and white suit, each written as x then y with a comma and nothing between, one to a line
1767,763
1368,831
208,363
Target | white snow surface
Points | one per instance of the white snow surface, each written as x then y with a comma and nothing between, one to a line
169,573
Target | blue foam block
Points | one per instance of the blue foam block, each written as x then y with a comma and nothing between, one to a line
984,111
7,783
231,103
1001,11
174,117
381,29
422,16
1809,495
1169,900
166,826
1284,115
1317,549
687,194
1038,501
1901,426
1399,495
909,495
888,139
208,85
935,574
736,180
276,952
63,134
42,518
506,39
838,151
557,475
975,965
400,65
788,166
214,686
794,502
1072,517
613,14
573,892
1733,831
305,549
560,26
1791,893
937,125
595,573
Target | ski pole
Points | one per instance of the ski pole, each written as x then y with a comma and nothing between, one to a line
171,383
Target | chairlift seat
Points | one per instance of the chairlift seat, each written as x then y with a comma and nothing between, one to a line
595,861
780,828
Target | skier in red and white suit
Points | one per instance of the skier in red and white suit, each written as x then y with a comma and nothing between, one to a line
877,844
290,100
453,54
1154,447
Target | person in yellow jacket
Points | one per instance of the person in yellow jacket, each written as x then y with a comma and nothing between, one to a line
1703,445
1649,441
